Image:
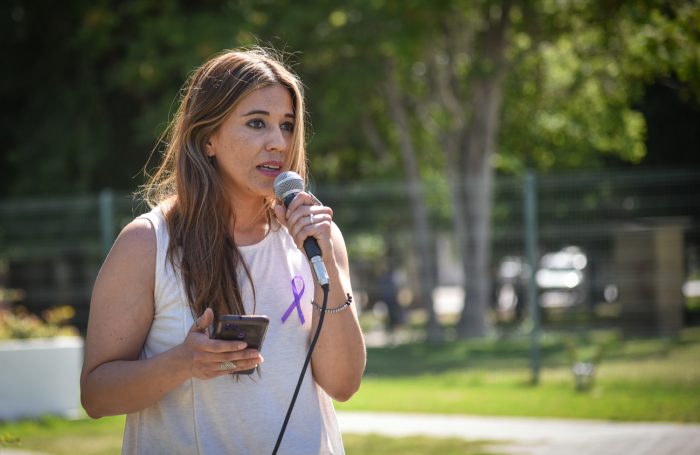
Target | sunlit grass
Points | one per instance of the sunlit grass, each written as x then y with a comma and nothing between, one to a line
413,445
638,380
65,437
642,380
104,437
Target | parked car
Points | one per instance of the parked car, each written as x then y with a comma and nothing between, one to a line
562,278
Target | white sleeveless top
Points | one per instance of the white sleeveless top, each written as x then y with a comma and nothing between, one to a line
225,415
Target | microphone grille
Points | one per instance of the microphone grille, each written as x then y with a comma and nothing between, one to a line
288,183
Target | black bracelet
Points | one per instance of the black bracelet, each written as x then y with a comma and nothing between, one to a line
344,306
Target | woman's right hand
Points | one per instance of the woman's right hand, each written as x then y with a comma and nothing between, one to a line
208,356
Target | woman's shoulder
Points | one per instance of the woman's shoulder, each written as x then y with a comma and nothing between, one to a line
131,259
156,215
137,237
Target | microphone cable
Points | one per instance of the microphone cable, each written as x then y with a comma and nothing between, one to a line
325,288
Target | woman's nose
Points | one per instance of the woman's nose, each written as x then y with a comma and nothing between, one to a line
277,140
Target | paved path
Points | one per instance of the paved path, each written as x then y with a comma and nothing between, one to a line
530,436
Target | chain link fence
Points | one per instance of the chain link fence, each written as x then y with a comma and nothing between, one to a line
615,249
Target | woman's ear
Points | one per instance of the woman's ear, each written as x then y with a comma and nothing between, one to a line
210,149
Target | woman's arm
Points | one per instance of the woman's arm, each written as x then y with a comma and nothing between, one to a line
339,357
114,380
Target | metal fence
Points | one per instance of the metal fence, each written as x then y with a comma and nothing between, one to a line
611,247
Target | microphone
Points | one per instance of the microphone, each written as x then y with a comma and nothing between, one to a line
287,185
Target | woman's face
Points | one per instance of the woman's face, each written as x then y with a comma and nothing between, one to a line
252,145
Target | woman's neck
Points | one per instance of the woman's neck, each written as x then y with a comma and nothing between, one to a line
250,224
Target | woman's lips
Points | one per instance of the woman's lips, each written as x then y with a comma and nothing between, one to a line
270,168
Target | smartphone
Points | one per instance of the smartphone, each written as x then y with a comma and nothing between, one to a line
243,327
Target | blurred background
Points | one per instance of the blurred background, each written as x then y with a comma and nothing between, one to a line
518,184
472,150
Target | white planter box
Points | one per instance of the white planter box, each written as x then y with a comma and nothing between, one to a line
40,376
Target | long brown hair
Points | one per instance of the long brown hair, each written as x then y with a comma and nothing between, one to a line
189,187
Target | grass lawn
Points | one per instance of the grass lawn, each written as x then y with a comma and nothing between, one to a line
65,437
104,437
638,380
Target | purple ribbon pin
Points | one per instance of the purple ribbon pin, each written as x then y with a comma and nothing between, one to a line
297,300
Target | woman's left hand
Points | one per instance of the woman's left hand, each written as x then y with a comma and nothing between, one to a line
304,218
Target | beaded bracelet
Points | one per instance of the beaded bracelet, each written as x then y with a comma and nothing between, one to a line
344,306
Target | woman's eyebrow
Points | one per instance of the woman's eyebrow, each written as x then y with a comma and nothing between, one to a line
261,112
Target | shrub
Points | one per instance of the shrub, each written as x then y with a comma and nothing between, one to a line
20,324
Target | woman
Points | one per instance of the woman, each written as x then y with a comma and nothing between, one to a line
214,243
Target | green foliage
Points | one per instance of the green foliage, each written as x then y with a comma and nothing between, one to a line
575,87
90,85
20,324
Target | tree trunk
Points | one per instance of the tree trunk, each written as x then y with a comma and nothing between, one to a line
480,144
421,223
478,195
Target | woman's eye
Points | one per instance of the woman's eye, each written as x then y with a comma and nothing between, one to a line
256,123
288,126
